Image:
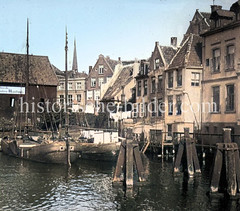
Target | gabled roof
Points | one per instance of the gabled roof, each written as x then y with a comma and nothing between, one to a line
57,71
167,53
122,80
13,69
189,54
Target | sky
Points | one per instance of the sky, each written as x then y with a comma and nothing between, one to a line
115,28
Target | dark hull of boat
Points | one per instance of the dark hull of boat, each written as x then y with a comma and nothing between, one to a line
46,153
101,152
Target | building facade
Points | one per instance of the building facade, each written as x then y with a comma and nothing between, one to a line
221,57
100,74
76,86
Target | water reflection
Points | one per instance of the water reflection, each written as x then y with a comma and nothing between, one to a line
88,186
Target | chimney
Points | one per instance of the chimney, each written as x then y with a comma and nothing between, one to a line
174,41
215,8
156,43
90,69
119,60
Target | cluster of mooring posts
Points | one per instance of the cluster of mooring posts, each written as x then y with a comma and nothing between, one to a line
187,156
129,155
226,170
225,178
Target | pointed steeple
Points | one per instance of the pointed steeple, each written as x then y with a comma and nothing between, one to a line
74,64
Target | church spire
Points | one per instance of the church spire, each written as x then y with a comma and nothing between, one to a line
74,64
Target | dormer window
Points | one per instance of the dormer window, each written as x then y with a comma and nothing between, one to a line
156,64
100,69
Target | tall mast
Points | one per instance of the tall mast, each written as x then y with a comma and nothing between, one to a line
66,84
27,72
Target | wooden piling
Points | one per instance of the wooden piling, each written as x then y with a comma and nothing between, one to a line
216,171
120,162
188,146
232,163
190,167
129,164
128,155
138,161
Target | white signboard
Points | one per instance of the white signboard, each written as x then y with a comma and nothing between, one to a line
12,90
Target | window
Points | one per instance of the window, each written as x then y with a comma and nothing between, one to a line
142,69
146,110
79,85
170,79
216,61
89,95
170,105
79,98
97,94
70,100
62,99
179,77
100,69
216,99
160,107
153,108
195,79
145,87
139,88
61,86
169,130
108,78
70,86
230,57
156,64
160,85
230,98
93,82
179,104
207,62
153,85
101,81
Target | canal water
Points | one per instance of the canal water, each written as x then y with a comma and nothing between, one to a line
26,185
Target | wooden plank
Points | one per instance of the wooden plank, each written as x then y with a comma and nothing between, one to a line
129,164
216,171
139,164
231,173
179,157
190,167
195,159
120,162
237,163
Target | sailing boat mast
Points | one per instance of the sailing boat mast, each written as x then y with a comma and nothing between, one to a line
66,104
66,85
27,73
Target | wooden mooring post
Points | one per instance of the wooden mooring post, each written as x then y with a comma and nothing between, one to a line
187,148
227,156
129,155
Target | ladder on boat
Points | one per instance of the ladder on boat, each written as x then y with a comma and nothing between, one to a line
145,146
